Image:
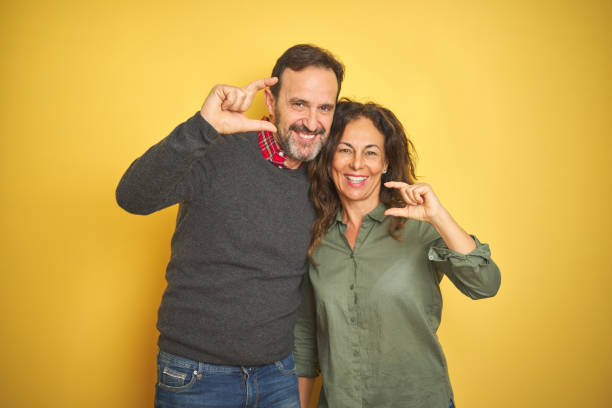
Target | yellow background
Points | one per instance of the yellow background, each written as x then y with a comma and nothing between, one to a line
509,105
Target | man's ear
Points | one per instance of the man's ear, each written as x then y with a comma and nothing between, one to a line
270,101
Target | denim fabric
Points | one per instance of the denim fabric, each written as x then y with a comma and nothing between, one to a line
452,404
184,383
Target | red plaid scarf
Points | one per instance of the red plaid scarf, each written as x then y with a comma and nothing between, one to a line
270,148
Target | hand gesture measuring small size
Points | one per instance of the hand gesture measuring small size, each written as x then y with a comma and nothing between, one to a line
421,201
225,105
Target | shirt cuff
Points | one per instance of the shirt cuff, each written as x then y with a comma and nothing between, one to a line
439,252
304,366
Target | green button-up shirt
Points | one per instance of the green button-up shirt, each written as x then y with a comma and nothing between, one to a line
370,314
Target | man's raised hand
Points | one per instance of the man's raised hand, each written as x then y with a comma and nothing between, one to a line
225,106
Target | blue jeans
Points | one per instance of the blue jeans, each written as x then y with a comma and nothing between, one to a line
183,383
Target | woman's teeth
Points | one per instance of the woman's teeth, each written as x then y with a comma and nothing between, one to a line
355,179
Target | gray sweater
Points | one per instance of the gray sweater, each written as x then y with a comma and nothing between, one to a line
239,247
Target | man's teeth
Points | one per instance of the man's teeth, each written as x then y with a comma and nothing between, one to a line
354,179
307,135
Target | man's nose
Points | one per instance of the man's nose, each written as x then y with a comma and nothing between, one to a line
311,120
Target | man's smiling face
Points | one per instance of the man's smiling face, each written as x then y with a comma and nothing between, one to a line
303,110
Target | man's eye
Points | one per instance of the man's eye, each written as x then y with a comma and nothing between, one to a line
371,153
298,104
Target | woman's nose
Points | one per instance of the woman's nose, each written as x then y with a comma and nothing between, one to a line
357,161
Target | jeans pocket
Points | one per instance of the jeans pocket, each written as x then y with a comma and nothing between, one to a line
286,366
175,373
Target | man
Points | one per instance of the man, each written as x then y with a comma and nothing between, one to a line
242,231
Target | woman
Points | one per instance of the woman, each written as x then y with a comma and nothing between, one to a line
372,302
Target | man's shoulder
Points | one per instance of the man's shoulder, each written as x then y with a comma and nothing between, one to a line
236,143
235,153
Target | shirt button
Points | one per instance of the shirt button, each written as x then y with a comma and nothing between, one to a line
352,320
431,257
351,287
356,353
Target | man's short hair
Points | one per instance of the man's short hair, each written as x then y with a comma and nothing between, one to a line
301,56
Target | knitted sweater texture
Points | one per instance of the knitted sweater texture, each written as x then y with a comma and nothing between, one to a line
239,247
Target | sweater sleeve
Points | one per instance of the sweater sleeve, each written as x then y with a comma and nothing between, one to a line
163,176
305,351
474,274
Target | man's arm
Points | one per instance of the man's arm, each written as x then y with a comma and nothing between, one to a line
163,176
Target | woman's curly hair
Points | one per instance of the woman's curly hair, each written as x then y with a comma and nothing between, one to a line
399,153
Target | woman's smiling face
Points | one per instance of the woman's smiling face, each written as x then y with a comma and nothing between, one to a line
358,163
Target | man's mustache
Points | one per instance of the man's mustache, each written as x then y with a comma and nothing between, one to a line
304,129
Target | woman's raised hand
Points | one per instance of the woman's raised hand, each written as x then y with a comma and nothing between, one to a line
421,201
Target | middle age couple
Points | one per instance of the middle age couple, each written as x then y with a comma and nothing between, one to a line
379,247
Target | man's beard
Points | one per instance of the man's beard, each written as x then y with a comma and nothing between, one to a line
291,145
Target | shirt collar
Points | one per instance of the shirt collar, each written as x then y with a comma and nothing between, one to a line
270,149
377,214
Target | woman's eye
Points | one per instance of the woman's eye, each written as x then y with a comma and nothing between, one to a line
371,153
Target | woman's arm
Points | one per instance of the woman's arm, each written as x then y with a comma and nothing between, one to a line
465,261
305,386
423,205
305,351
453,235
